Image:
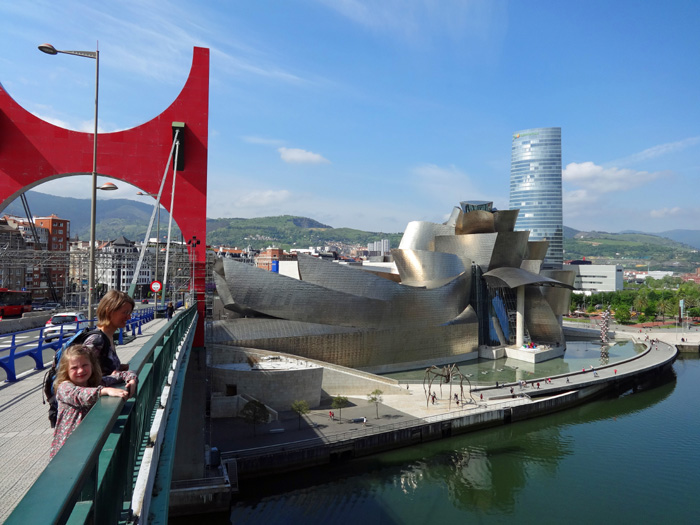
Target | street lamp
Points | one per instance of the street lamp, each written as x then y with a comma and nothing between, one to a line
49,49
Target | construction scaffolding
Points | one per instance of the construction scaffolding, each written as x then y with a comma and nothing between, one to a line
74,266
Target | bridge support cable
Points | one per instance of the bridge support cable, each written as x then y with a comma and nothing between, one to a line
170,220
134,279
47,270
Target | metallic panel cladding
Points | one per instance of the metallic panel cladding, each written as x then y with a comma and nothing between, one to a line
420,235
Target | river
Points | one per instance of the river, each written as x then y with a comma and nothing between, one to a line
632,458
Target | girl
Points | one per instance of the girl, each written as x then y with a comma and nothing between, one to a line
78,384
113,312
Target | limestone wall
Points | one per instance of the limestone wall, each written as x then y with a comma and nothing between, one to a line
276,388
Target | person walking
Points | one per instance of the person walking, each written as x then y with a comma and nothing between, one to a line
170,310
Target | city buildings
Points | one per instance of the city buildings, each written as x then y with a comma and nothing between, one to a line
118,263
46,271
594,278
379,248
535,188
12,276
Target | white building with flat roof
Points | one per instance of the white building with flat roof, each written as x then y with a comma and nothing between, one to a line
597,277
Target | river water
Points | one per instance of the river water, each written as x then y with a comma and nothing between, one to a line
632,458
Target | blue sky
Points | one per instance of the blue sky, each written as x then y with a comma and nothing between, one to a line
369,114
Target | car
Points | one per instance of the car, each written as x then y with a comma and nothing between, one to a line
144,301
52,306
66,323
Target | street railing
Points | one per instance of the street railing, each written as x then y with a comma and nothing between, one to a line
351,435
34,346
91,478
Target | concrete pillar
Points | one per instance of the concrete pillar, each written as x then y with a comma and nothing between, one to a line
520,317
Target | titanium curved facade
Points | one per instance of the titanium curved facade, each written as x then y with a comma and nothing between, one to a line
456,291
535,188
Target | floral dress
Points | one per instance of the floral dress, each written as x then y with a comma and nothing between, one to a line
74,402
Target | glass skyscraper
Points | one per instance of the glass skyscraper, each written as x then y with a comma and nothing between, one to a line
535,188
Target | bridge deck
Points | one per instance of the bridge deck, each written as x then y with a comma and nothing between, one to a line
25,433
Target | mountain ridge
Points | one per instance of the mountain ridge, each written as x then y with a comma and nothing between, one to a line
130,218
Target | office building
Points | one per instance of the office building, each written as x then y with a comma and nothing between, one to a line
595,278
535,188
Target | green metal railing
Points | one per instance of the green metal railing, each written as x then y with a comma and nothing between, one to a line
91,478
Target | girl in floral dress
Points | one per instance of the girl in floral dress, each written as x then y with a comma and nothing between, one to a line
78,384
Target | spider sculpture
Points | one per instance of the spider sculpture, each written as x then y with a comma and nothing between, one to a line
446,375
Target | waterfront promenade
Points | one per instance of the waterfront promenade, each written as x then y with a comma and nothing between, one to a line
405,410
25,433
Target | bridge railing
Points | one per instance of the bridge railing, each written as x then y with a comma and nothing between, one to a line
34,347
91,478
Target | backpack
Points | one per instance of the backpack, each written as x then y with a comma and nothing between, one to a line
50,376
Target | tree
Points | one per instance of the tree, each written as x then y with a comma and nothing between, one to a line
622,314
339,402
375,397
641,301
254,412
301,407
665,307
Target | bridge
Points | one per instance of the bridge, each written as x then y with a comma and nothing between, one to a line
113,466
117,465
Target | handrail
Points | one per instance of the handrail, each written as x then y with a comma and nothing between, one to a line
92,475
34,348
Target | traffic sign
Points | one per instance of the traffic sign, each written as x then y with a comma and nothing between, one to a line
156,286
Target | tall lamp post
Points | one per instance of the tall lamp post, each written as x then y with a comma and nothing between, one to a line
49,49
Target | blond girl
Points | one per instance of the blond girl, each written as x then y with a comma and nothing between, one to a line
78,384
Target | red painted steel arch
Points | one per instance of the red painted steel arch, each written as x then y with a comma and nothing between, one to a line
33,151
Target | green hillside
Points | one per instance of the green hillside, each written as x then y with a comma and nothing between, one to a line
674,249
632,250
286,232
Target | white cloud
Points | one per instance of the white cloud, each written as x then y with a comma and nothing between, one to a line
658,151
664,213
449,184
264,198
418,20
263,141
606,180
300,156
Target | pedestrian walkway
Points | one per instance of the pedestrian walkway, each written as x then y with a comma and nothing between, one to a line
233,434
25,432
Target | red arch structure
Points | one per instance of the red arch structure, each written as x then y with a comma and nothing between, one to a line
32,151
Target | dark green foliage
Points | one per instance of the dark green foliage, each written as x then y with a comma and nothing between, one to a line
628,245
340,402
287,232
254,412
300,407
375,397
